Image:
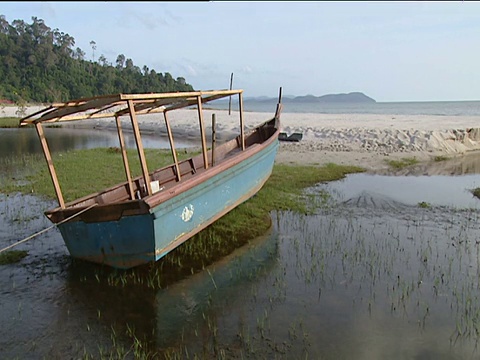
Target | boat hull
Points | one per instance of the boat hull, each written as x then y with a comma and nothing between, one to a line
140,239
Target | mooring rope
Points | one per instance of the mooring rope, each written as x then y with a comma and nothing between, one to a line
49,228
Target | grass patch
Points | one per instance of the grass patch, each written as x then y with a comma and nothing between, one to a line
12,256
82,172
400,164
424,205
476,192
440,158
9,122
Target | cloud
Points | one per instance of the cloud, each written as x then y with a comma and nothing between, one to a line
151,19
190,70
246,70
47,8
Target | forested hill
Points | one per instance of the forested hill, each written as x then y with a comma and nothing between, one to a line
38,64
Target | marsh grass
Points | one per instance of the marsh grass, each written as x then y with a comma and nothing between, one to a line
9,122
400,164
439,158
12,256
82,172
424,205
476,192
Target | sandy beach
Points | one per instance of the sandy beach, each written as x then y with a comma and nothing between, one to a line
366,140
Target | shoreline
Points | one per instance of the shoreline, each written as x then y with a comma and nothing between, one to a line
365,140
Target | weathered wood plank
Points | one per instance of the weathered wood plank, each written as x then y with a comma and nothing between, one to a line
125,158
141,153
242,127
51,168
172,146
202,131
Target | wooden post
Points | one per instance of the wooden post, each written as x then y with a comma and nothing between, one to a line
125,158
279,104
202,131
214,140
242,130
172,145
141,153
230,99
51,169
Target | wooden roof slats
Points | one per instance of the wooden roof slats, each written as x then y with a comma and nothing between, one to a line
191,102
96,107
144,108
68,110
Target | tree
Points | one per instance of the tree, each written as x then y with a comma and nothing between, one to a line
38,64
93,44
79,54
120,61
103,60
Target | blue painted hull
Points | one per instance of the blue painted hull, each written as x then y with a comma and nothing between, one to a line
139,239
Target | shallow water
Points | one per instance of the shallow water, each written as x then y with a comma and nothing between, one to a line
371,276
25,141
438,190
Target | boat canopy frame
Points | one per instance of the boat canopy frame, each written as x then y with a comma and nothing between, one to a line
131,105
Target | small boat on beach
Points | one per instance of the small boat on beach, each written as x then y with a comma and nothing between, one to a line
140,220
295,137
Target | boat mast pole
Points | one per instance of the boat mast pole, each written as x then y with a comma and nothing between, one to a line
172,145
124,157
242,130
230,100
51,169
202,131
138,140
214,138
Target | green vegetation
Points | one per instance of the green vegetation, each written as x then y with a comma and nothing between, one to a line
81,172
283,191
476,192
38,64
400,164
440,158
424,205
12,256
9,122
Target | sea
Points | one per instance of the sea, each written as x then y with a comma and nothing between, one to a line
435,108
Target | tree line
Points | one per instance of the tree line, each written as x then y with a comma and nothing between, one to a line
38,64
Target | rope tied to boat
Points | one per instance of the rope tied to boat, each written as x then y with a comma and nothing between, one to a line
47,229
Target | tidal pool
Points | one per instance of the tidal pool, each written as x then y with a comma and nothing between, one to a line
18,142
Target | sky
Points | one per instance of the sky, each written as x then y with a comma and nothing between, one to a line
390,51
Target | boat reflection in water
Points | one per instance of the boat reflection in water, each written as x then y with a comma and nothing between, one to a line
184,313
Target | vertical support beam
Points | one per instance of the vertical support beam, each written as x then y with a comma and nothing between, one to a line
214,138
51,169
125,158
141,153
279,104
172,145
242,130
230,99
202,131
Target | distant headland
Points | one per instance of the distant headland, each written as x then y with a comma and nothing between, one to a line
353,97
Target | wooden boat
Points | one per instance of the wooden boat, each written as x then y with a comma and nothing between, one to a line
141,219
295,137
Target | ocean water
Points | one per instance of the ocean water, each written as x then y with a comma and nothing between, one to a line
439,108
